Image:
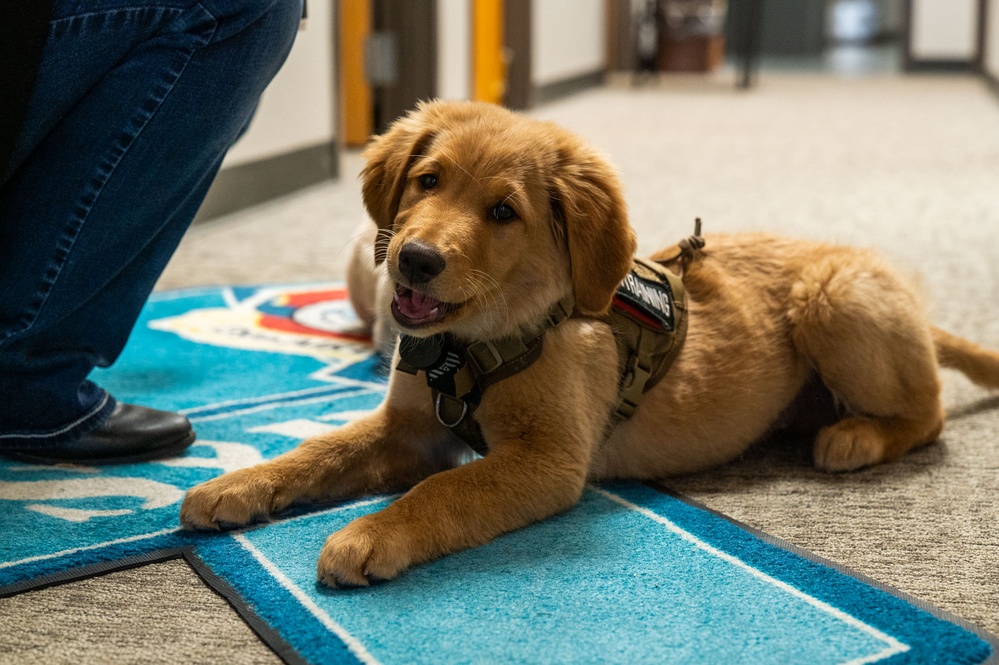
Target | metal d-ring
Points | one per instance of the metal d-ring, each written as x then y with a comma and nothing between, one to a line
437,411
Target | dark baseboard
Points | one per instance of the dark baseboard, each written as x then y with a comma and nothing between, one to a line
992,80
941,66
559,89
250,184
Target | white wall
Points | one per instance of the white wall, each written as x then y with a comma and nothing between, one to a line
568,39
454,49
992,39
944,29
296,110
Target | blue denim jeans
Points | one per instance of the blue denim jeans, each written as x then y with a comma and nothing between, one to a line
135,105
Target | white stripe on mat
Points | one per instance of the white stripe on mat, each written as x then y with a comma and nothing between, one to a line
130,539
894,646
352,643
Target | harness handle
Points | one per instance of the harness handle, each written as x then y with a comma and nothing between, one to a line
690,248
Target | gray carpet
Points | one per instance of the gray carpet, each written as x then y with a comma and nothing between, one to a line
162,613
907,165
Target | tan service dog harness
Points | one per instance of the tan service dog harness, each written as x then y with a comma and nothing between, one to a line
649,320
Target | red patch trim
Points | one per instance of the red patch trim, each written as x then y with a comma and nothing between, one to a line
634,313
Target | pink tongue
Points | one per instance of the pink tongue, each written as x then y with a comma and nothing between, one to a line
416,305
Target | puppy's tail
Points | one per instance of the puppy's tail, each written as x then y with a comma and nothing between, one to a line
979,364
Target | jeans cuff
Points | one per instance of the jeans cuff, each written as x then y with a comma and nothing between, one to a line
68,433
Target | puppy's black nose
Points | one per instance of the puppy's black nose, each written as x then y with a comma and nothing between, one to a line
419,262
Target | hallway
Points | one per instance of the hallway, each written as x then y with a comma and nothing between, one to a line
907,165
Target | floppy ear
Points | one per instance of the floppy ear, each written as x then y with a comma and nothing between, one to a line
383,178
588,203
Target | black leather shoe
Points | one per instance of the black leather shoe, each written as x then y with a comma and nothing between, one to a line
131,434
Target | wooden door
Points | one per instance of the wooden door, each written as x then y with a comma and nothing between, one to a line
388,62
411,28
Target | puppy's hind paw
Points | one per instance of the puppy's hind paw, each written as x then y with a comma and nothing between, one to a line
849,445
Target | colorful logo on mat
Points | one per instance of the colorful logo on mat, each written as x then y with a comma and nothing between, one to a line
309,321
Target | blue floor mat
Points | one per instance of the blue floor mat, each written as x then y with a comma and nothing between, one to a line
631,575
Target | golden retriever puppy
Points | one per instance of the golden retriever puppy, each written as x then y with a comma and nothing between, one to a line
488,219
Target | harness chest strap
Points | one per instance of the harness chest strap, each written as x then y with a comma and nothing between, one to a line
460,374
649,334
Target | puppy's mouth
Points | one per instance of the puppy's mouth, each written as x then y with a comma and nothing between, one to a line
413,309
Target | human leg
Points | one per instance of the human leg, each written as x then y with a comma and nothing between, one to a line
135,106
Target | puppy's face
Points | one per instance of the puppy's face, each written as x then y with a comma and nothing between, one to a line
490,218
475,247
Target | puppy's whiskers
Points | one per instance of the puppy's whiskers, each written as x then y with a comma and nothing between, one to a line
344,246
382,239
455,162
518,188
492,291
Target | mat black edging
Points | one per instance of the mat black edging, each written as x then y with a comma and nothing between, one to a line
91,571
263,630
937,612
269,636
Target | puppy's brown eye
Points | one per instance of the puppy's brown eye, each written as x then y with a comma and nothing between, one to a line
428,181
503,213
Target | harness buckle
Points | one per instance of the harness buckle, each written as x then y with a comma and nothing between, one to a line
440,419
496,359
625,409
632,388
635,375
559,312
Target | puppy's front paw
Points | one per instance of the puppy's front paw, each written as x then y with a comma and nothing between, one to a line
234,499
367,550
848,445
